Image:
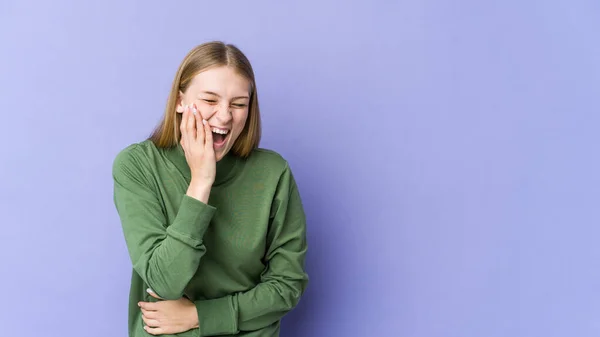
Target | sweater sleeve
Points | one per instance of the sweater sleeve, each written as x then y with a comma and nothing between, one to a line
283,281
165,256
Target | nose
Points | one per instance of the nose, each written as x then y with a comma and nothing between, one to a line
222,114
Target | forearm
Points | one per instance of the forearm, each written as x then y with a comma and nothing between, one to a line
165,255
281,286
170,266
255,309
167,259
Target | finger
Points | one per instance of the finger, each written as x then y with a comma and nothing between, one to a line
150,306
200,134
191,126
151,322
153,294
183,126
209,136
149,314
153,331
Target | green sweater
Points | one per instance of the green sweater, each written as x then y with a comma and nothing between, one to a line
239,257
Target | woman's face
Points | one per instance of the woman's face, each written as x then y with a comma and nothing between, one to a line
222,97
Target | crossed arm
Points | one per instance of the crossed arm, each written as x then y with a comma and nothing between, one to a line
167,256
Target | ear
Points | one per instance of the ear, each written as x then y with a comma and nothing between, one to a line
180,107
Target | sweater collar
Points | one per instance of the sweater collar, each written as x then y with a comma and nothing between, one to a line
226,167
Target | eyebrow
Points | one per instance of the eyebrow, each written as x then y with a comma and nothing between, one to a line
215,94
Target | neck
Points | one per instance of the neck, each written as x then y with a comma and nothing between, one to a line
226,168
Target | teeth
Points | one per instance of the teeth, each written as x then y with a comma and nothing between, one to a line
223,132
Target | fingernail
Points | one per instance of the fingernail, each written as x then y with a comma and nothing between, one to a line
204,121
139,304
149,291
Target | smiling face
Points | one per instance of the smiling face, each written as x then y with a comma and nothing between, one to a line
222,97
217,78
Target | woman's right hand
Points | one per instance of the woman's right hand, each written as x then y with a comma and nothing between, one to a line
197,143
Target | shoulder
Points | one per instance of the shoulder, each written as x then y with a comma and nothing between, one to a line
268,159
133,158
270,167
273,170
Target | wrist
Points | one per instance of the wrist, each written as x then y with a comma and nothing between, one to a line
194,324
199,190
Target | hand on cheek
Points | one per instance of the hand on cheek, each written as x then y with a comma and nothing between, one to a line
197,143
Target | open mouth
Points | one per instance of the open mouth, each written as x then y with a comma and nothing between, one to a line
219,136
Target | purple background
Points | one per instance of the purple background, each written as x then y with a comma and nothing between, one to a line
447,153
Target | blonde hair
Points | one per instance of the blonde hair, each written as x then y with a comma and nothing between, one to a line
202,57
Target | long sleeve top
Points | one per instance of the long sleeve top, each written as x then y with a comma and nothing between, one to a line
239,257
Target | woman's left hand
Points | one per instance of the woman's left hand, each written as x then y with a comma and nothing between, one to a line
168,316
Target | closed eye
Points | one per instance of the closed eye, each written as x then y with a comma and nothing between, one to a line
210,100
239,105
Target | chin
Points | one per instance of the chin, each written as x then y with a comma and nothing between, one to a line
220,154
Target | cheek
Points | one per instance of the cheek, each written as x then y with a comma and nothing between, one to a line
240,120
206,110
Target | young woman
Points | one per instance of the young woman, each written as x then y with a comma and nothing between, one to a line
214,225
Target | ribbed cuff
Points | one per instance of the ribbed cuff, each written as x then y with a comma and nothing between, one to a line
217,317
191,221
